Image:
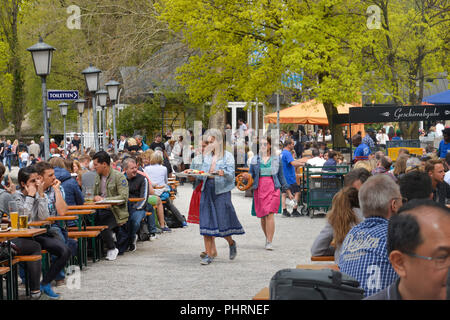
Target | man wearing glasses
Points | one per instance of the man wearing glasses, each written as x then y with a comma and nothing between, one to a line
418,244
363,254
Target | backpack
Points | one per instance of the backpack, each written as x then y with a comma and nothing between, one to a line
304,284
172,216
143,232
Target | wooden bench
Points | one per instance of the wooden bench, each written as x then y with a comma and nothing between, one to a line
88,228
27,258
322,258
264,293
3,271
81,236
30,258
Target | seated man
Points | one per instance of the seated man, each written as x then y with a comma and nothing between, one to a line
356,178
316,161
415,185
363,254
383,167
138,187
441,189
57,206
110,184
418,243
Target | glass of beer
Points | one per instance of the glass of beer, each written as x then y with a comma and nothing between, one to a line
13,215
23,221
88,194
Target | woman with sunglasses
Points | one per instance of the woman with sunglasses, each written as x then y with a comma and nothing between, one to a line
267,173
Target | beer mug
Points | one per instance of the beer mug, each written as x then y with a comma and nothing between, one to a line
89,194
13,215
23,221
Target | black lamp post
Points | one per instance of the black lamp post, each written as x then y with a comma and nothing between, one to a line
102,96
163,106
63,108
91,76
80,107
42,59
113,91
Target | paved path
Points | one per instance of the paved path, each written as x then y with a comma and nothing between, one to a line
169,267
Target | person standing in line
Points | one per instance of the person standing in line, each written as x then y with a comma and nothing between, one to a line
444,145
267,173
217,214
34,149
289,166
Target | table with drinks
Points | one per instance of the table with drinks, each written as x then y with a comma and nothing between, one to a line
19,229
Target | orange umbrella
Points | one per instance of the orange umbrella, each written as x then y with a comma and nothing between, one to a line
309,112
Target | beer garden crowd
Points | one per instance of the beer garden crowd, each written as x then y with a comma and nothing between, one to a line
388,227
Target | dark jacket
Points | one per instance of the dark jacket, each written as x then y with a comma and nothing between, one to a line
388,293
72,190
442,191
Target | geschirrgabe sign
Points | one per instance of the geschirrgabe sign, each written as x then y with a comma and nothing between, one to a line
399,114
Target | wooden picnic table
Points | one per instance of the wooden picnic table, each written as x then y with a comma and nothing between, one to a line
61,218
27,233
88,206
80,212
41,223
136,199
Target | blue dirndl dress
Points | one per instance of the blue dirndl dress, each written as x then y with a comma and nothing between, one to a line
217,215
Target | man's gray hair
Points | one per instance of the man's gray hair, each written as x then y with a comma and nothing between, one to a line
126,162
376,194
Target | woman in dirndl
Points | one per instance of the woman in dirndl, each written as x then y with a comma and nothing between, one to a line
268,178
217,215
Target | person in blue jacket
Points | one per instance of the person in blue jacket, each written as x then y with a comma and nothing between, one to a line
72,190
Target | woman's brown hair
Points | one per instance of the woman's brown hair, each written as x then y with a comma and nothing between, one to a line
400,165
341,216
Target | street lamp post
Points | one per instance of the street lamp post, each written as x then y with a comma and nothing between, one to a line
42,59
113,88
80,107
102,96
91,76
63,108
48,113
163,105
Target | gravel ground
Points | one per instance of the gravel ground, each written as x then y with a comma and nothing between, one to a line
168,268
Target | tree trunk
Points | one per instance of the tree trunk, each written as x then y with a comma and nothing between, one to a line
336,130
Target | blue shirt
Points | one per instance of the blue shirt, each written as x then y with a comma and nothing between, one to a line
443,149
362,150
288,168
364,255
369,141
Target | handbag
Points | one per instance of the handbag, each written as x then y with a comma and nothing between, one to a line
4,252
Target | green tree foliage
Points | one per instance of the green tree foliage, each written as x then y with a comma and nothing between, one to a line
245,47
13,110
144,118
412,46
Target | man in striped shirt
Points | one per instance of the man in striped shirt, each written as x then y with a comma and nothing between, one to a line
364,254
138,188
